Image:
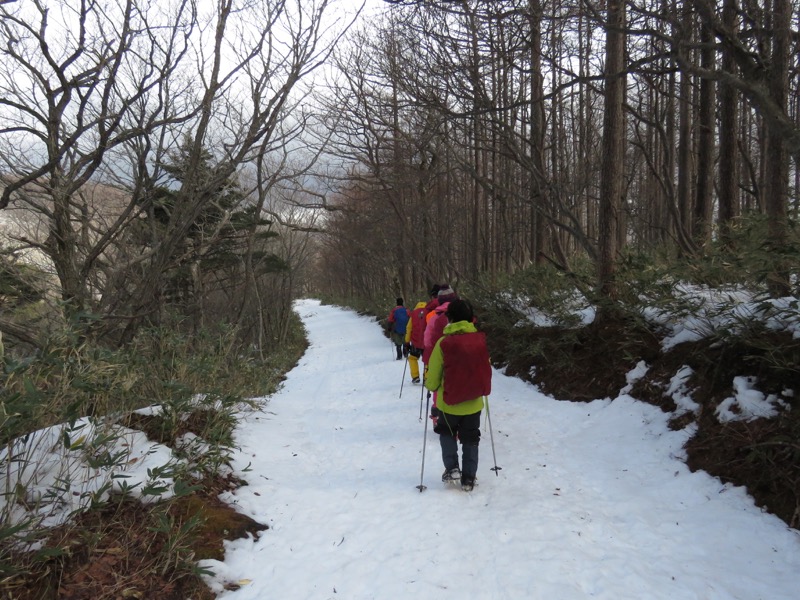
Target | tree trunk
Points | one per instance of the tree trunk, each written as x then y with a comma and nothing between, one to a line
704,190
776,176
538,193
612,173
728,127
684,196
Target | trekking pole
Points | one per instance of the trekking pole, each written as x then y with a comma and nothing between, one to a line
404,378
422,391
422,487
491,437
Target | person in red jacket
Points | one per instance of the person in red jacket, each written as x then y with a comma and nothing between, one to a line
415,340
436,321
461,375
434,301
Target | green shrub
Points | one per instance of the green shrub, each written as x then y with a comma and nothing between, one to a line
197,385
540,294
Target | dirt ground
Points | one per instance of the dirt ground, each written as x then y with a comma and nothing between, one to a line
126,549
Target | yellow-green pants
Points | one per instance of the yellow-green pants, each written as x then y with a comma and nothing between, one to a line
413,363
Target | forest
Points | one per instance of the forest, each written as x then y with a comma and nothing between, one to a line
175,174
495,136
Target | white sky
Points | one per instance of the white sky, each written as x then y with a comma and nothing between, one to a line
593,500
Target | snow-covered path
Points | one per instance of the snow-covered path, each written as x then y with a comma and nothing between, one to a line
592,500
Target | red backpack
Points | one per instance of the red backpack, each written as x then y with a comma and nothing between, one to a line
467,372
418,327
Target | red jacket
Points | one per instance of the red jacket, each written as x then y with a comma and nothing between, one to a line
434,330
417,325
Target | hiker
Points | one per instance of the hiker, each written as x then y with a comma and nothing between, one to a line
436,321
398,319
415,339
434,299
460,373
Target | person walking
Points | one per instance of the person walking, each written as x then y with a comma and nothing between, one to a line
434,298
461,375
398,320
436,321
415,339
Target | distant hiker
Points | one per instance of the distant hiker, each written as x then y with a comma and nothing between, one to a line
436,321
415,339
398,319
460,373
434,301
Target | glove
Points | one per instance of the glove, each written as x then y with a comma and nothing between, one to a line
406,349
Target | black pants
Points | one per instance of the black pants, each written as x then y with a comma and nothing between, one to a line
467,429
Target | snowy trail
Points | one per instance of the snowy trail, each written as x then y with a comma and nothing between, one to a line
592,500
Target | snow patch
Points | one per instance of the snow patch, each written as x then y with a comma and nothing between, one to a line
634,375
679,391
705,311
747,403
55,472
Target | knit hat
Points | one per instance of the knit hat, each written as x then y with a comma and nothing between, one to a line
459,310
399,301
446,294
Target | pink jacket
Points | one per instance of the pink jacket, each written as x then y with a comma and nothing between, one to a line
434,330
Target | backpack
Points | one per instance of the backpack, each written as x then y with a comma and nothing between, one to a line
400,318
467,372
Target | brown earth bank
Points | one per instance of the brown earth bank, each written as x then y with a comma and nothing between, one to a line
591,362
127,549
124,548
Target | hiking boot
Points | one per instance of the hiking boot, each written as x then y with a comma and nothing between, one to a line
415,380
467,483
451,475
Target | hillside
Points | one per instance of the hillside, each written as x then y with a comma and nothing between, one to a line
691,381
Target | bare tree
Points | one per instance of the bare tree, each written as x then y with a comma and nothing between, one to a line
706,125
76,86
728,128
612,175
776,178
752,71
105,92
522,154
